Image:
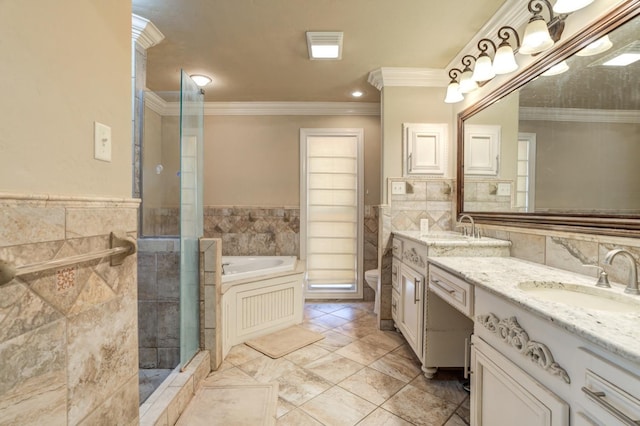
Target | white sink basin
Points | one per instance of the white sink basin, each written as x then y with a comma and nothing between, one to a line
581,296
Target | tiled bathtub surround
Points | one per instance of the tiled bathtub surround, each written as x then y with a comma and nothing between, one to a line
159,302
68,337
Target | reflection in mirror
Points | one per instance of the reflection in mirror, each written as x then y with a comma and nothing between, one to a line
566,142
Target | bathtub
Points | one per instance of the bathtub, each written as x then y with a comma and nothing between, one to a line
260,295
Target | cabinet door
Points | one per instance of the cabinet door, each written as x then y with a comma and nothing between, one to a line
481,149
411,318
425,148
503,394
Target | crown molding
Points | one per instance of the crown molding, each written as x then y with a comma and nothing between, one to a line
580,115
164,108
144,33
408,77
512,13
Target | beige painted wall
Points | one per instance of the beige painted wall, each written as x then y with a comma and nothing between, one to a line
60,73
410,105
255,160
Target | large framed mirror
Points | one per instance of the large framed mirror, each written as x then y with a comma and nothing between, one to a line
561,150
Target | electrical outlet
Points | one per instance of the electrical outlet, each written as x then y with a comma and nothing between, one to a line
101,142
398,188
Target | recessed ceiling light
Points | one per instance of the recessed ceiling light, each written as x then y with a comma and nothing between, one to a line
623,60
357,93
324,44
200,80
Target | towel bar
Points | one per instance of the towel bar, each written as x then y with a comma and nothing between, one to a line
121,247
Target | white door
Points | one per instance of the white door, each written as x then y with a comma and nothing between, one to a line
331,199
411,318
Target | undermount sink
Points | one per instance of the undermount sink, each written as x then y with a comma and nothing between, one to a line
580,296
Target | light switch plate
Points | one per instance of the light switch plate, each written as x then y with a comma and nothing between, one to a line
101,142
398,188
504,189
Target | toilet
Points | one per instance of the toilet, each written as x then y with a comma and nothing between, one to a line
372,277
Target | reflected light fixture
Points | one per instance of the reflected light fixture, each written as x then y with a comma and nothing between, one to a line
200,80
467,83
568,6
483,70
558,68
505,61
537,36
600,45
357,93
453,89
324,44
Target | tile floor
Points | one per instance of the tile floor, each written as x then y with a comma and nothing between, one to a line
357,375
149,380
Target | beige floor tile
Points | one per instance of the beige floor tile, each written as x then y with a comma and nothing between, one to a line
362,352
382,417
372,385
333,341
299,386
240,354
230,376
419,407
451,390
232,405
397,366
329,321
298,417
385,339
266,369
314,327
338,407
464,410
369,320
311,313
307,354
455,420
333,367
326,307
365,306
349,313
405,351
356,330
284,407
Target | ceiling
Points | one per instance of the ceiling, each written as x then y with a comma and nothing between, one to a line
255,50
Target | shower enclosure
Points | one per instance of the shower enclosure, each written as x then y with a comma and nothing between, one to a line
171,222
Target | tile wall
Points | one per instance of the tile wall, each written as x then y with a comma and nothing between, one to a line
68,336
159,302
482,195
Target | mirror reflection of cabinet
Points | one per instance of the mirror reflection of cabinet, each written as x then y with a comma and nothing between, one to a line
482,149
425,149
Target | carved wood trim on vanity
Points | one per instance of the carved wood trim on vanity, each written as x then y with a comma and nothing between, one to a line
510,332
412,256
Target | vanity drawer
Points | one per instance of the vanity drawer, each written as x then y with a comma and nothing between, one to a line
458,293
610,393
396,248
395,275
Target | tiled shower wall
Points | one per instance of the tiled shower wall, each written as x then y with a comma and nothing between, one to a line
159,302
68,336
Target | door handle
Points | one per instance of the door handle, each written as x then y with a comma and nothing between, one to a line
598,398
416,282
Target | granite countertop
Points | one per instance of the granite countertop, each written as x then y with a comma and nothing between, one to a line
444,238
617,332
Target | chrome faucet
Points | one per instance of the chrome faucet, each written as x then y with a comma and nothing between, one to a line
632,286
464,229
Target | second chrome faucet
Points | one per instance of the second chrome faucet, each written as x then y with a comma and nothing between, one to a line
632,285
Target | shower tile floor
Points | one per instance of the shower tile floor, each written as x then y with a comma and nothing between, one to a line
149,380
356,375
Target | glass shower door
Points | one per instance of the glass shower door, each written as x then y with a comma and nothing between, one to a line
191,214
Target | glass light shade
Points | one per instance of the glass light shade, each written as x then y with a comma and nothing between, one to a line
483,70
536,37
568,6
558,68
600,45
200,80
504,62
467,83
453,93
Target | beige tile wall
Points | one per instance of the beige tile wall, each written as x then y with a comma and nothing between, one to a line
68,336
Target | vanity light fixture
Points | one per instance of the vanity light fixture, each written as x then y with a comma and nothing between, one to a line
558,68
505,61
453,89
540,35
483,70
200,80
467,83
600,45
568,6
324,44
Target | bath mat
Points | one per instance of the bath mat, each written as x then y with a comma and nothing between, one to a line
280,343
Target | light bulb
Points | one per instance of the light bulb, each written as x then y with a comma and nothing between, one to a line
504,62
484,69
453,93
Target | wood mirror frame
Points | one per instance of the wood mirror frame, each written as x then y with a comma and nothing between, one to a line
628,226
